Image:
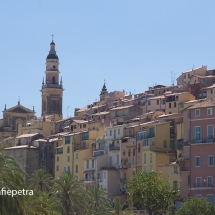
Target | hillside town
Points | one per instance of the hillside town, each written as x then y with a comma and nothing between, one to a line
167,129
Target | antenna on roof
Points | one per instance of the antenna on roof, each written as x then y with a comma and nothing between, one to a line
172,78
68,111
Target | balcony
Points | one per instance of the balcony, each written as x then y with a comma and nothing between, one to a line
202,141
98,153
122,167
202,186
114,148
99,180
149,143
89,179
123,180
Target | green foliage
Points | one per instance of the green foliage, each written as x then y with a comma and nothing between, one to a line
197,206
71,194
150,190
40,180
97,200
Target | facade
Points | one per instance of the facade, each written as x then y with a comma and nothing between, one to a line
12,118
174,100
52,88
202,149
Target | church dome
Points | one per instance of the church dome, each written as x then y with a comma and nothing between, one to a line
52,56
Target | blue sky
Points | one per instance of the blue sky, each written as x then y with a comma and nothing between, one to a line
132,44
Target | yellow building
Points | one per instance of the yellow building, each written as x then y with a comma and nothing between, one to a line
13,117
174,100
158,145
171,173
43,125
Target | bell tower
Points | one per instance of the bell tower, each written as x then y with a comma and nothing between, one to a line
52,87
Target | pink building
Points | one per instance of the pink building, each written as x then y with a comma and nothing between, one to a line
202,150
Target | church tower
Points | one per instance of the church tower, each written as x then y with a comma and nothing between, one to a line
52,88
103,92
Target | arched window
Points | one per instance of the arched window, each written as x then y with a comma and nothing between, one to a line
54,105
53,80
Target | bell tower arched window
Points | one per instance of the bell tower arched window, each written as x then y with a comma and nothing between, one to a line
53,80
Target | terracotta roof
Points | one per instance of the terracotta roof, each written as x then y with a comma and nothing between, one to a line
27,135
209,103
122,107
21,147
79,121
101,113
157,97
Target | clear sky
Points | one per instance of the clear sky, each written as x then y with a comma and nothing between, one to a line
132,44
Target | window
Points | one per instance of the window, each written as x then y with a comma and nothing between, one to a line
144,169
118,131
172,144
67,140
157,102
64,168
197,161
210,160
170,105
57,158
185,76
151,132
197,112
76,156
163,102
68,168
68,149
144,158
133,151
175,184
138,159
56,144
211,91
198,181
132,161
87,164
210,132
129,153
211,198
149,103
150,168
165,144
76,169
182,105
93,163
117,159
57,168
210,181
188,75
110,132
209,111
174,104
150,157
68,158
20,153
175,169
198,132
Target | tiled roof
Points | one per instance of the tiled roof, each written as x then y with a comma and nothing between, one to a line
203,104
79,121
122,107
21,147
27,135
101,113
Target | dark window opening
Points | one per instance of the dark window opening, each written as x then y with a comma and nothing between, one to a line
53,80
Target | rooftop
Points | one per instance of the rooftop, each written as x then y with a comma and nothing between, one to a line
202,104
21,147
27,135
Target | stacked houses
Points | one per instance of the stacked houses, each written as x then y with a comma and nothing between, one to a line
168,129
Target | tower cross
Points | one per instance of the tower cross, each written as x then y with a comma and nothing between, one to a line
52,37
104,81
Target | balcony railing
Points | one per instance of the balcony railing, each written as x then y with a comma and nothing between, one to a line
98,153
205,140
122,167
114,148
89,179
204,184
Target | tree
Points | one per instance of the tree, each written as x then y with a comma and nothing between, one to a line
197,206
119,207
11,178
40,180
98,202
70,192
151,191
